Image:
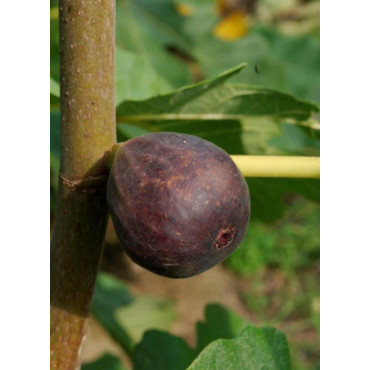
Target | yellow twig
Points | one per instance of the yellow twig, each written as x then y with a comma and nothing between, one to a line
278,166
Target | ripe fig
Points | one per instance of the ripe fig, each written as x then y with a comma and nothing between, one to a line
179,204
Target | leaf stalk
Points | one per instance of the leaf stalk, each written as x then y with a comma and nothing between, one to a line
278,166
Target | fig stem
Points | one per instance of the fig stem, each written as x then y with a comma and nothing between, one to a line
278,166
112,154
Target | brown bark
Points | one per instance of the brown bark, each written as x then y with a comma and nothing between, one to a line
88,133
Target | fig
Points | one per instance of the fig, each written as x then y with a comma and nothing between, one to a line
178,203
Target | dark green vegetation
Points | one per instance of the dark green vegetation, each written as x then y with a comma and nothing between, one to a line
278,264
186,194
276,268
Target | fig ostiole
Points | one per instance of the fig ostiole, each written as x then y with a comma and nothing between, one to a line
178,203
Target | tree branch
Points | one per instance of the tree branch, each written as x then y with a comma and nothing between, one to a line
88,133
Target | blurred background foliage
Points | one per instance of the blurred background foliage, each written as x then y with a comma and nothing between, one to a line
163,45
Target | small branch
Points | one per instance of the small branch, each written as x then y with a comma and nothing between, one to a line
278,166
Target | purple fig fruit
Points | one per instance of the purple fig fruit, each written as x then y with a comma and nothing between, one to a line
179,204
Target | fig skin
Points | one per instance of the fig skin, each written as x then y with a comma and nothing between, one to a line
179,204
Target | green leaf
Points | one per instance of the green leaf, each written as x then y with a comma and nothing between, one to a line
146,28
110,295
226,134
125,317
267,195
257,133
250,136
253,348
146,312
296,140
219,323
126,131
233,136
54,48
286,63
54,88
199,4
214,100
242,346
107,361
162,351
160,16
186,97
215,55
136,78
299,59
